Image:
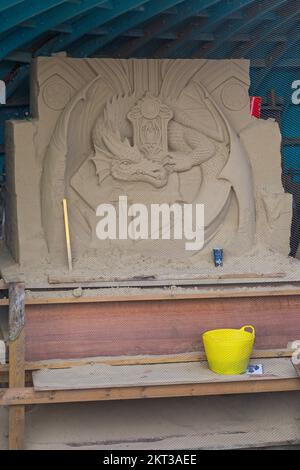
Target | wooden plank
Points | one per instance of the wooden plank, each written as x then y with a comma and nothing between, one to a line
226,293
134,282
166,296
28,396
162,327
134,360
107,376
17,379
16,363
204,283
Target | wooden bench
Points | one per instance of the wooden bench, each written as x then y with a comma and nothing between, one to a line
121,377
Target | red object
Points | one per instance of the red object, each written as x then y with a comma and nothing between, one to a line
255,106
133,327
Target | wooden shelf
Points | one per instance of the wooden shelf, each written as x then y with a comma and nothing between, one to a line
160,380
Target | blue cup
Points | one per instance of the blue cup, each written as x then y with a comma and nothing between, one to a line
218,256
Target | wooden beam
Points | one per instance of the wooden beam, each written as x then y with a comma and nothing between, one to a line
17,379
151,281
211,50
167,296
28,396
157,327
67,11
135,360
16,363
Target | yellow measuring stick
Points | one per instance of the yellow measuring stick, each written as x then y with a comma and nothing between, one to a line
67,233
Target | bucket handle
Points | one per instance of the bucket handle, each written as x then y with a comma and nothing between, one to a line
250,327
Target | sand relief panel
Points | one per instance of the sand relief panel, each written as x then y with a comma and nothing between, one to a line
157,132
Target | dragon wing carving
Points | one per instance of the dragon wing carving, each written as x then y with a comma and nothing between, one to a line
111,126
119,148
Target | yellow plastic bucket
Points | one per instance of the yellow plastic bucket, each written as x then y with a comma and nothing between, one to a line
228,350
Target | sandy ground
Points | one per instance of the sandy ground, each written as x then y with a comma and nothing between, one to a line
260,263
199,422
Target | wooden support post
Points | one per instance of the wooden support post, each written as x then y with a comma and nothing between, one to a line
16,362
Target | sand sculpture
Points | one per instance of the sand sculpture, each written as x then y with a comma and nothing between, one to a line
157,131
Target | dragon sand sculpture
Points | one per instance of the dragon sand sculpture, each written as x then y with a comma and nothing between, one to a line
145,139
156,131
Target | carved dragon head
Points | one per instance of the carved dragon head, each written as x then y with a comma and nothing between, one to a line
149,159
117,157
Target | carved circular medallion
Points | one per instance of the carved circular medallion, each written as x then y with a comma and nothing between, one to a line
150,108
235,96
56,93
